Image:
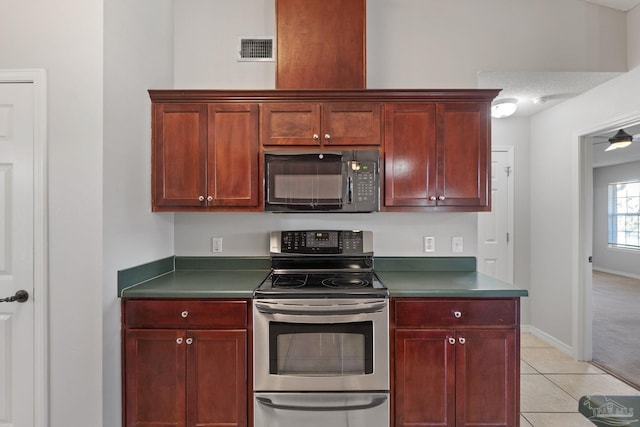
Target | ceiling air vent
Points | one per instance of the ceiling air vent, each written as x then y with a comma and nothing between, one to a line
256,49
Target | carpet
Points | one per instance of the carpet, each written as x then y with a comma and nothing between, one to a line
616,326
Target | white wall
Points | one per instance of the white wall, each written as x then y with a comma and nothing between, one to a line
138,54
613,260
413,44
395,234
633,37
555,198
206,42
65,38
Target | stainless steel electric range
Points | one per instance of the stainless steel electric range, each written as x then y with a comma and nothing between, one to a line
321,333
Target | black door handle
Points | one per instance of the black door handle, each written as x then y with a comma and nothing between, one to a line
20,296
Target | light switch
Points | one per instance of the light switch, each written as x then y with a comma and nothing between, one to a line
216,244
457,244
429,244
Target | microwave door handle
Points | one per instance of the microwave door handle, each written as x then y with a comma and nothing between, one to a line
377,401
350,188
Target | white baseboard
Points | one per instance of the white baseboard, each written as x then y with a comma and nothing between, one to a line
553,342
618,273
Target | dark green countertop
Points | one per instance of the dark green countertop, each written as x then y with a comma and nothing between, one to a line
440,277
194,277
220,277
467,284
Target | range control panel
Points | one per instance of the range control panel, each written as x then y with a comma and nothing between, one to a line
349,242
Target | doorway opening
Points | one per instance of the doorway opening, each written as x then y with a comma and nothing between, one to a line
601,308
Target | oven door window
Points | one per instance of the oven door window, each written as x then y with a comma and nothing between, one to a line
326,350
305,181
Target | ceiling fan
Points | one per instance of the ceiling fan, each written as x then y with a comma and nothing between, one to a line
620,140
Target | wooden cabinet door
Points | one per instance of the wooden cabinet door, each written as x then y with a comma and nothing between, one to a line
217,378
351,124
410,155
424,378
464,146
312,124
232,155
486,378
290,124
179,154
321,44
155,378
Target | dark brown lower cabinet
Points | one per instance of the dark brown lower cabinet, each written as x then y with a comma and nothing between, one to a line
467,375
184,377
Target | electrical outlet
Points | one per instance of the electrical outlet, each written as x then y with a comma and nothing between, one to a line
457,244
429,244
216,244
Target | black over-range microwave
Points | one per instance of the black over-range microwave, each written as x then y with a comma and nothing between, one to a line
322,181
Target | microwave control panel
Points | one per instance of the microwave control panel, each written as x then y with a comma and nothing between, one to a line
364,182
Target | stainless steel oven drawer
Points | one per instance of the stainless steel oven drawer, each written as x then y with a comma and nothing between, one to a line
321,409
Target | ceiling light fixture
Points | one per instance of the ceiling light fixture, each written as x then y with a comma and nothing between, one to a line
504,108
620,140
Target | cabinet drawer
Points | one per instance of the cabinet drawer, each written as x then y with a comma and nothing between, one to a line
455,312
185,314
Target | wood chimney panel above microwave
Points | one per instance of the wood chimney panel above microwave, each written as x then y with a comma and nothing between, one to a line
321,44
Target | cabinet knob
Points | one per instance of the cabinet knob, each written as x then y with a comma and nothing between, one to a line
179,341
461,340
458,314
189,341
441,198
209,198
452,340
316,136
184,313
201,198
327,136
432,198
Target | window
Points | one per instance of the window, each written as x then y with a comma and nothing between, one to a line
624,215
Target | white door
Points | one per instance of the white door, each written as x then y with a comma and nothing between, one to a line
16,254
495,228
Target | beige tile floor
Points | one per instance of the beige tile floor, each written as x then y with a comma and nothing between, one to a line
551,383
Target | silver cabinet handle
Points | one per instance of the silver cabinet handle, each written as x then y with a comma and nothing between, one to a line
184,314
461,340
201,198
209,198
179,341
327,136
316,136
441,198
457,314
432,198
452,340
189,341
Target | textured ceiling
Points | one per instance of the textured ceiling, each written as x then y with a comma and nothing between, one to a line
624,5
537,91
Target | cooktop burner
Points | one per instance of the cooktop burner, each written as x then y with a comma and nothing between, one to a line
336,281
300,285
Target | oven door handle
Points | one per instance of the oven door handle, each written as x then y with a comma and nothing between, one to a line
369,308
377,401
